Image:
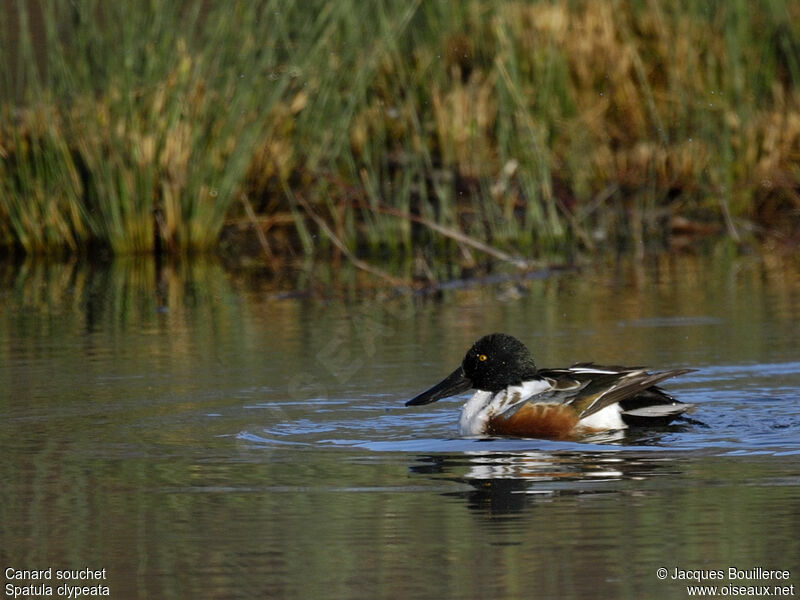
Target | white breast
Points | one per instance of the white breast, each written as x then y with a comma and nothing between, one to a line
483,405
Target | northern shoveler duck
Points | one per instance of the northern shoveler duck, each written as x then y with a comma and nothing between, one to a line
514,398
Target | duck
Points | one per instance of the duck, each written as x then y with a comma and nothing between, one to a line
513,398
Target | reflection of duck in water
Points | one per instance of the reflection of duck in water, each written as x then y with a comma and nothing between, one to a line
506,483
514,398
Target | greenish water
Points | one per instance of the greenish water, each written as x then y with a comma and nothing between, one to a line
201,435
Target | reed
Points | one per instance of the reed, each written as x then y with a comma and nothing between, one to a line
534,126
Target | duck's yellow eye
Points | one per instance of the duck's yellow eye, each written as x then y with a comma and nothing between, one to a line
482,357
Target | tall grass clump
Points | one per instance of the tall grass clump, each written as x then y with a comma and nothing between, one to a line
135,124
588,123
385,126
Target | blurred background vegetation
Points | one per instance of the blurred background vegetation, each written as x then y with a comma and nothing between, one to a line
290,128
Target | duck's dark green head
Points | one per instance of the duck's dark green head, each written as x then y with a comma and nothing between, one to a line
492,363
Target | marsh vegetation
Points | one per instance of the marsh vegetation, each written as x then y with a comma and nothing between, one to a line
369,128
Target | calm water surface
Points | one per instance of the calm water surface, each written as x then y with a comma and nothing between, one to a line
198,435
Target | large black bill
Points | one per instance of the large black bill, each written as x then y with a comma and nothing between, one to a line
453,384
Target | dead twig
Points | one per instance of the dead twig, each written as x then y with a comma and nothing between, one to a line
357,262
726,213
454,234
262,238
